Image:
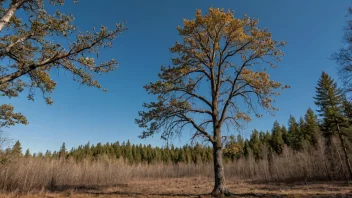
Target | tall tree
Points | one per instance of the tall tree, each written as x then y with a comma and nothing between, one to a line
217,76
32,46
329,98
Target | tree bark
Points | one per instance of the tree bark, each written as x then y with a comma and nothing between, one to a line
219,174
5,19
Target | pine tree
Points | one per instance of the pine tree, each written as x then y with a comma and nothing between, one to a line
311,127
277,142
98,149
87,150
47,154
267,138
150,155
63,151
55,155
16,150
285,136
28,154
128,152
117,149
329,98
40,155
304,138
255,144
294,134
246,148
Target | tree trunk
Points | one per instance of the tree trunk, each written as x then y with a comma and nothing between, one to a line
219,174
5,19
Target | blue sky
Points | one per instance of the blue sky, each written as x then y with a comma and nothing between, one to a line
313,30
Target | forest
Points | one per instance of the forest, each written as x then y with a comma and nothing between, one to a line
218,80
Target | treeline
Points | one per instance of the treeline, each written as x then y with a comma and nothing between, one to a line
132,153
295,136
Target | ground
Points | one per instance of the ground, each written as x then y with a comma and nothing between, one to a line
198,187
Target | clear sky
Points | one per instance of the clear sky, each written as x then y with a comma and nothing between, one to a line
313,30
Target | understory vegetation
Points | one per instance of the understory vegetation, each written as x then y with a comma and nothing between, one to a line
30,174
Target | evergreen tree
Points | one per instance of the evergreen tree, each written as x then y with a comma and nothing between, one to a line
246,149
285,136
262,137
16,150
294,134
329,98
98,150
277,142
311,127
47,154
54,156
128,152
87,150
63,151
117,149
267,138
303,134
27,154
40,155
255,144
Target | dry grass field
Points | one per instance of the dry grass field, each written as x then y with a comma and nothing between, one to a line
196,187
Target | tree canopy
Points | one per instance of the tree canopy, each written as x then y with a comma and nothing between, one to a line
205,60
34,43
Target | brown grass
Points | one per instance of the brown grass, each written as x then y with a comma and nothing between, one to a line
29,174
198,187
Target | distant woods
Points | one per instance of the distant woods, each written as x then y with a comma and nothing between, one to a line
297,135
